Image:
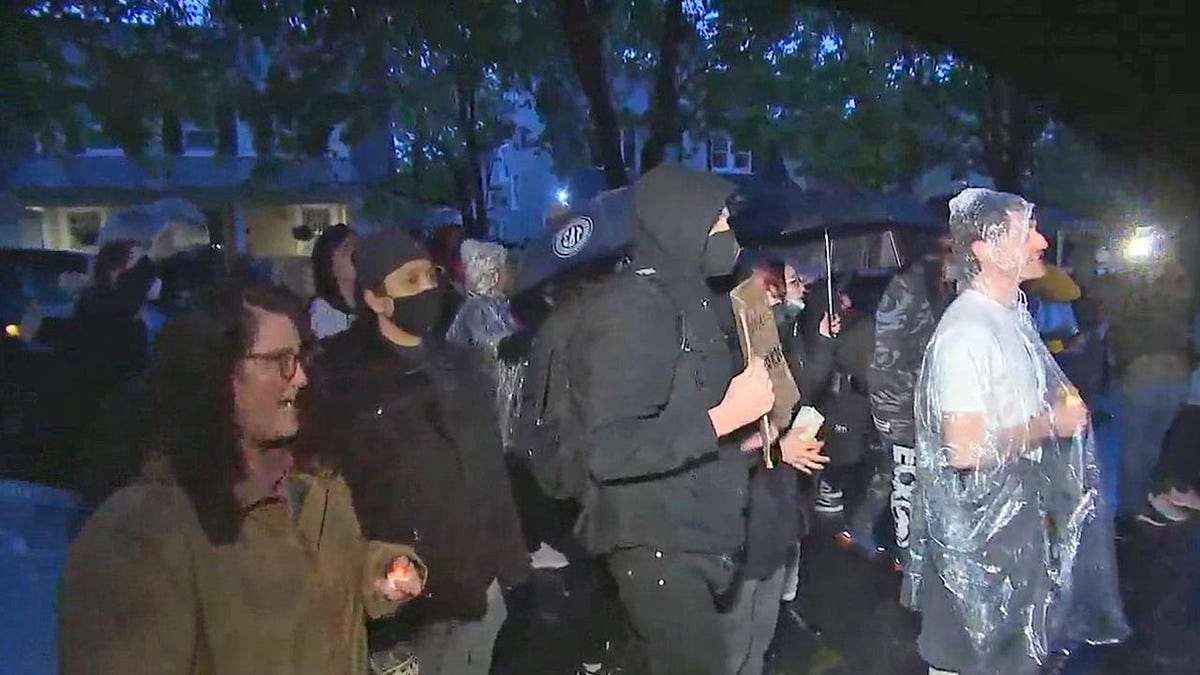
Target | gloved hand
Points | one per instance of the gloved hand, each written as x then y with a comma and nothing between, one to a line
514,348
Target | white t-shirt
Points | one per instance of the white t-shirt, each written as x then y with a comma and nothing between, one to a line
986,358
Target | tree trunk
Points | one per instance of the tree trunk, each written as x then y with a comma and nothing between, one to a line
314,138
227,130
665,127
582,23
475,168
467,184
1010,126
172,133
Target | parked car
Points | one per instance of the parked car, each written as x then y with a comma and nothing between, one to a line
37,298
39,282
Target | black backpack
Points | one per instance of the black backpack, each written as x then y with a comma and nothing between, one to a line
551,424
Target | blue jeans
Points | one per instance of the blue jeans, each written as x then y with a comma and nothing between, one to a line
1148,406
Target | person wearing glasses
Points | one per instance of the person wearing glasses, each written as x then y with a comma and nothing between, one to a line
222,558
410,422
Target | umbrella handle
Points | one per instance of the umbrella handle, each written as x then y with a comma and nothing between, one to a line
829,273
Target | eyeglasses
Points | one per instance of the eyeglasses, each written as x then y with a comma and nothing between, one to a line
288,361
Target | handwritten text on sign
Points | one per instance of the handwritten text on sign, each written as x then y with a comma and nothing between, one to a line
759,337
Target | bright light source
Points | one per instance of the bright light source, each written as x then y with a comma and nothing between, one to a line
563,197
1141,246
12,330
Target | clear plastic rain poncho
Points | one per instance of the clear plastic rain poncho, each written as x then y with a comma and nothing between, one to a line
1012,537
484,320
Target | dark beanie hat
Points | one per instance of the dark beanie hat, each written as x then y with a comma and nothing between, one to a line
382,253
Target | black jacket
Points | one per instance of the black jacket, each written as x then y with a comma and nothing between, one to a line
904,323
648,359
778,515
414,434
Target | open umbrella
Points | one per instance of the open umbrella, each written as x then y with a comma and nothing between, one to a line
178,219
773,208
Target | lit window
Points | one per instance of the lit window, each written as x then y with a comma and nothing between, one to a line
723,155
316,218
83,228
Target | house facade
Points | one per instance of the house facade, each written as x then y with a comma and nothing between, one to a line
253,204
523,186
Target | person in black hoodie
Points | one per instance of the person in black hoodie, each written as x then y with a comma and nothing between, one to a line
410,425
661,422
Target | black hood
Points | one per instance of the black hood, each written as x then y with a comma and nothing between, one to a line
676,208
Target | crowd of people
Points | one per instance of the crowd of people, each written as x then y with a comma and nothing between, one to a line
357,484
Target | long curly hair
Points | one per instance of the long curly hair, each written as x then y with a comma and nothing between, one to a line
191,385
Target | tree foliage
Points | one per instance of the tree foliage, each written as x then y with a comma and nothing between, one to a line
437,77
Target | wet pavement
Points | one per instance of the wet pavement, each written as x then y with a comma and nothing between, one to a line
864,630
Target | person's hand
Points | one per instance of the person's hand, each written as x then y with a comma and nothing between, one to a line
750,396
755,444
402,583
802,452
1070,414
830,326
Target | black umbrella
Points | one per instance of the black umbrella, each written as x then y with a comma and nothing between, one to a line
771,209
598,229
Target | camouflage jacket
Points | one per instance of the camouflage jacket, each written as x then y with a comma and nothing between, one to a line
904,322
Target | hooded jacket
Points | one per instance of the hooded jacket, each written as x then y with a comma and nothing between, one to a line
649,357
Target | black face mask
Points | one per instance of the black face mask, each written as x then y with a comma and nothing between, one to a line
418,314
720,254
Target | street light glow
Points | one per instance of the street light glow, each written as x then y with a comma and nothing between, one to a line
563,197
1140,247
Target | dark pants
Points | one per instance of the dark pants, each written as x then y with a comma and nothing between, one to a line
1150,398
1179,466
876,499
1017,578
671,601
543,518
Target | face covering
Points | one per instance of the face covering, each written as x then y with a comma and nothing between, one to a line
417,314
720,254
791,308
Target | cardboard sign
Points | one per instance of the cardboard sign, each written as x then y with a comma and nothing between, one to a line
759,337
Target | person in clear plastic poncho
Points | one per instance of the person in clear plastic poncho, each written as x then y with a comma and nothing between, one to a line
484,320
1013,554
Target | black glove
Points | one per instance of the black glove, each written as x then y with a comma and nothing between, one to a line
514,348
